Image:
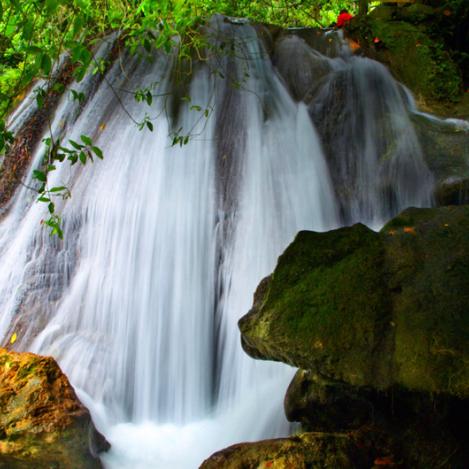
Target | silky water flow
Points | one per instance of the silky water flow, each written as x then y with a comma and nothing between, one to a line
164,245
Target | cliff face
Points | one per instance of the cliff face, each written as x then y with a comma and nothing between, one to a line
42,422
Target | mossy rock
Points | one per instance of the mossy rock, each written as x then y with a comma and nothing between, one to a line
310,293
306,450
420,430
446,149
42,422
419,61
372,309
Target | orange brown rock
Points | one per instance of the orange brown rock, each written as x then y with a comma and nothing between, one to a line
42,422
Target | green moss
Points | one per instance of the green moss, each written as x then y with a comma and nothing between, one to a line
312,291
431,268
419,61
372,309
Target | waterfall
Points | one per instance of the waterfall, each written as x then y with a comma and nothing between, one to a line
164,245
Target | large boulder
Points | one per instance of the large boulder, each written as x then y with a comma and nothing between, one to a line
372,309
379,325
42,422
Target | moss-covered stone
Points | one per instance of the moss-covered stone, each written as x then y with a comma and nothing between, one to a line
372,309
427,257
308,310
306,450
419,60
42,423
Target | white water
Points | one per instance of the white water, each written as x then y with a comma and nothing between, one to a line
164,247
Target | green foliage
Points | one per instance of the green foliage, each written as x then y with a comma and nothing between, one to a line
82,152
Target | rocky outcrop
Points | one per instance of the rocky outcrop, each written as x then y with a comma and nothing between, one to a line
372,309
379,325
42,422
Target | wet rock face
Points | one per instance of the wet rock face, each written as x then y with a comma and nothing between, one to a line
372,309
300,66
418,428
42,422
446,150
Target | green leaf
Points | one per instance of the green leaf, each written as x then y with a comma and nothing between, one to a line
150,126
80,72
45,63
75,144
76,96
40,100
66,150
86,140
82,157
149,98
27,30
58,189
58,88
98,152
39,175
73,158
51,207
51,6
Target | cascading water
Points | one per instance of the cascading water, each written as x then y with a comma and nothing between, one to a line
164,245
363,117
